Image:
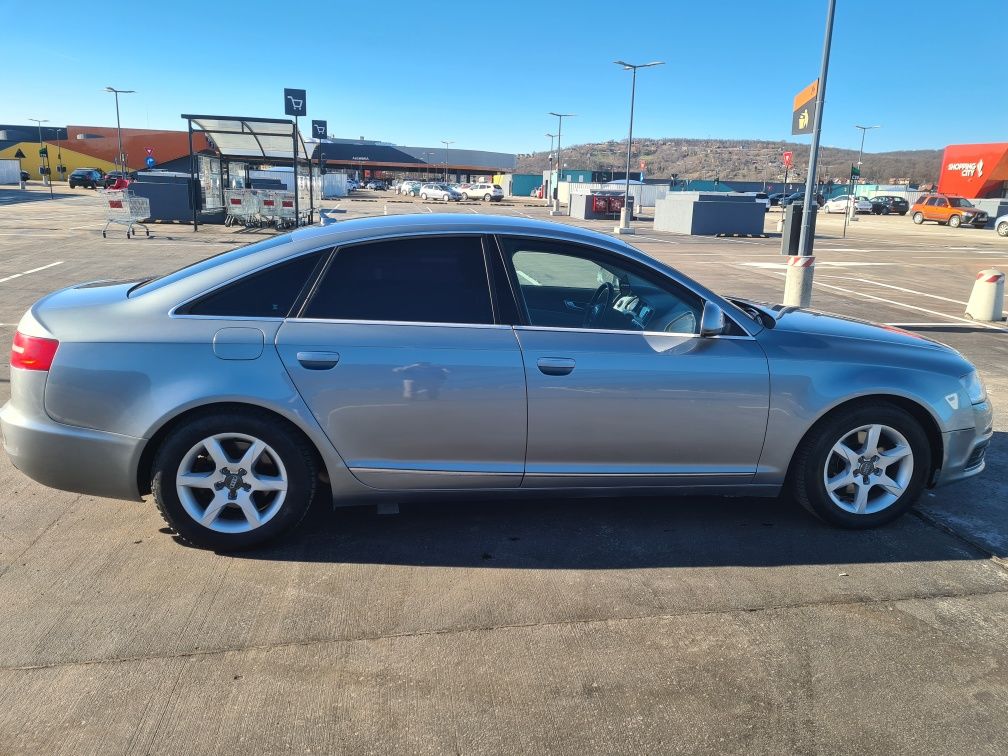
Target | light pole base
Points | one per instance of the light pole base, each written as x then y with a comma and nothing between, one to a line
624,226
853,217
555,210
798,283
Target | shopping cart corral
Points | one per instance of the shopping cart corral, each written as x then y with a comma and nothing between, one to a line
242,206
122,207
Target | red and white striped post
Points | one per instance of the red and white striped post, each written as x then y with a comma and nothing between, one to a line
798,283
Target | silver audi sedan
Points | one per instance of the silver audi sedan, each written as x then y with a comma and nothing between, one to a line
428,356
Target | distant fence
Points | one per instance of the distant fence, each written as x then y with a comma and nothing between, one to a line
645,195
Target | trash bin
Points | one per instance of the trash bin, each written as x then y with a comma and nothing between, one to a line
792,229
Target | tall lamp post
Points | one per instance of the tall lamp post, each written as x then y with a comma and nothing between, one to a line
445,142
121,160
556,184
43,157
625,217
853,204
552,137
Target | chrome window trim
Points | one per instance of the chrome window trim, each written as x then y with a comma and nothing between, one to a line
564,329
338,321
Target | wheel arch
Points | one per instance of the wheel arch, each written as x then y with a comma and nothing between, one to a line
918,411
146,462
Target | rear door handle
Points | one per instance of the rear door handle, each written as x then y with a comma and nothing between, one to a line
555,365
318,360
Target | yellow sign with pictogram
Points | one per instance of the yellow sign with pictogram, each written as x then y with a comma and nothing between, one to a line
803,112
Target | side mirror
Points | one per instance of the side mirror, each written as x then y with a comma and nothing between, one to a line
712,322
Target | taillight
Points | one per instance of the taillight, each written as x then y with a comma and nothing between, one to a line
32,352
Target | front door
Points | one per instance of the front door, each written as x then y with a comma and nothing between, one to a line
399,357
621,388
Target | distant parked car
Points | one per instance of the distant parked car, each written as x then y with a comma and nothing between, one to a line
487,192
410,188
112,176
799,197
439,192
537,192
843,203
948,209
377,185
891,205
775,198
89,178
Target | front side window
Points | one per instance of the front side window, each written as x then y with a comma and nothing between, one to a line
960,202
419,280
572,287
268,293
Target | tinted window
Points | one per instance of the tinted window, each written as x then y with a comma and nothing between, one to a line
421,280
572,287
270,293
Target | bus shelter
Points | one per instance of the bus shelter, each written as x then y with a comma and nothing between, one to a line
242,149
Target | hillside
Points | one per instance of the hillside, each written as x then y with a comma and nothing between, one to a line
740,159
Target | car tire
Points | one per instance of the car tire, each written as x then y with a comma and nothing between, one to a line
423,196
465,196
1002,228
826,208
286,458
955,221
487,197
904,212
818,464
918,218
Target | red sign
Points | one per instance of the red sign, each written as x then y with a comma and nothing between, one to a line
149,151
788,158
974,170
642,165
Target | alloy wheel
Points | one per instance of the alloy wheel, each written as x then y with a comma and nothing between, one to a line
868,469
231,483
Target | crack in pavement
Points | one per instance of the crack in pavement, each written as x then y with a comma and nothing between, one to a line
494,628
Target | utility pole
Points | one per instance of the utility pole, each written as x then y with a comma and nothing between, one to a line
43,156
801,269
625,216
852,210
559,165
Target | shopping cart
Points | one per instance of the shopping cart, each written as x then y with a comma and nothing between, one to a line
122,207
269,212
287,215
241,206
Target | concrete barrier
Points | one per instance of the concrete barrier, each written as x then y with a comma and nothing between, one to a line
986,301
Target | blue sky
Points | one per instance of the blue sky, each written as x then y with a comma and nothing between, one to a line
486,74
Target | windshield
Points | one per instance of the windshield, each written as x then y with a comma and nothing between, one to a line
960,202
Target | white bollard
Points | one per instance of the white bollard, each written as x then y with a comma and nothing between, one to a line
987,299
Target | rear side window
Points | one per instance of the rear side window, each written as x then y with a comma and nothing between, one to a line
420,280
269,293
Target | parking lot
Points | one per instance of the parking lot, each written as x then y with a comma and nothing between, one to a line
601,626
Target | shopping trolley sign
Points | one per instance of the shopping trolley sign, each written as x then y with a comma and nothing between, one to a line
319,129
295,102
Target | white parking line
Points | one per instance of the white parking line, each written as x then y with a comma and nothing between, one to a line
33,270
652,238
898,288
428,209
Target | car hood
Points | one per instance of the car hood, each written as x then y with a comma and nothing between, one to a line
823,324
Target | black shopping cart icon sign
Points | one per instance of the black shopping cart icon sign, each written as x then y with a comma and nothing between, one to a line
294,102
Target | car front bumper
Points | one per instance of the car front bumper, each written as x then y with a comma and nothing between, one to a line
965,450
61,456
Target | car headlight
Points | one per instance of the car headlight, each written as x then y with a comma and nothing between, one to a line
975,388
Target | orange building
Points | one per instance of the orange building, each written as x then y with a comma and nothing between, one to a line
975,171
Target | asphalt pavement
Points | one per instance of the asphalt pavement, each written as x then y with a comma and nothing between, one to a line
699,625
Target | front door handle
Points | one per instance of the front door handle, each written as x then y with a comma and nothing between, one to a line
318,360
555,365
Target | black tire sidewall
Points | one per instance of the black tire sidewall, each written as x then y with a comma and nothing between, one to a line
299,464
809,477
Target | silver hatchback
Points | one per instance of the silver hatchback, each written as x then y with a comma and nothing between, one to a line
431,356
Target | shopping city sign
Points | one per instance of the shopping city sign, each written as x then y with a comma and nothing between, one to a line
966,170
803,112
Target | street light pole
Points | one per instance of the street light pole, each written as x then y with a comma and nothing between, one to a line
121,160
46,178
545,194
853,205
446,143
625,217
559,165
800,269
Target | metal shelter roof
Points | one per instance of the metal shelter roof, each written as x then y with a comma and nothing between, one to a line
238,137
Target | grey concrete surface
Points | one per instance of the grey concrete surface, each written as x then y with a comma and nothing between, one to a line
553,626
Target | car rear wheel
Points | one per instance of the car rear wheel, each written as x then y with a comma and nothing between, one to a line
487,198
233,480
918,218
955,221
1002,228
862,467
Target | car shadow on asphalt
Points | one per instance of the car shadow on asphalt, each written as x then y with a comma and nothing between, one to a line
18,196
605,533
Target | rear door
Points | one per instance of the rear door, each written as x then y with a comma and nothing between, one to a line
401,359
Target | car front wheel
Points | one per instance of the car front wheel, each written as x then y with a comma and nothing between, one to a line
955,221
862,467
423,196
918,218
1002,228
233,480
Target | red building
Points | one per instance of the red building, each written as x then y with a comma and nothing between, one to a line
975,171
